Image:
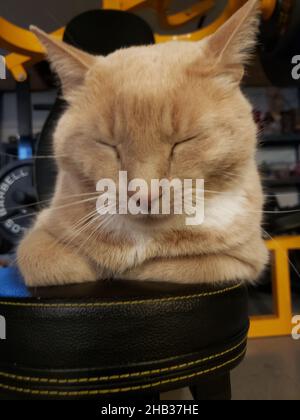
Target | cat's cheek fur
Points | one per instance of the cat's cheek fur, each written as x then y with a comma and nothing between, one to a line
221,211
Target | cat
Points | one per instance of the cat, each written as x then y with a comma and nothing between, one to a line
172,110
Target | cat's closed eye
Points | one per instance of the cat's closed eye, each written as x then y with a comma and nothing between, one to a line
181,143
110,147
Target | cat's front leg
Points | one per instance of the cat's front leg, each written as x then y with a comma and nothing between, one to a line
201,269
44,261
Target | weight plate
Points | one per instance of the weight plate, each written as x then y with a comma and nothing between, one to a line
17,200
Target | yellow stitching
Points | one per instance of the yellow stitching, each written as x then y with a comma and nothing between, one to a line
109,304
124,376
118,390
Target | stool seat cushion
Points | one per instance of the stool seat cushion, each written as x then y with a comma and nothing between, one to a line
118,337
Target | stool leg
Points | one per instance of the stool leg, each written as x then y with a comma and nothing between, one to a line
217,388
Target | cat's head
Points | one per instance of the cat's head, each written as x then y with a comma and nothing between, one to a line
172,110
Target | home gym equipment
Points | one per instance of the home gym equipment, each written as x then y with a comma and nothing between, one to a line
17,191
24,47
280,31
27,51
17,198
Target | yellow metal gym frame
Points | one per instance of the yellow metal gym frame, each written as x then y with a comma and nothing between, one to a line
25,50
280,322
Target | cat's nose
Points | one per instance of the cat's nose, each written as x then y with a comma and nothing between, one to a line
146,201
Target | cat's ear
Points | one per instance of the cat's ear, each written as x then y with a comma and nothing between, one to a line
70,63
231,45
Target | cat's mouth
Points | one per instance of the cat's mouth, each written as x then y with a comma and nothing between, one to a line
154,219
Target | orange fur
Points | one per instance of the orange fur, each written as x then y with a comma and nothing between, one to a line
143,101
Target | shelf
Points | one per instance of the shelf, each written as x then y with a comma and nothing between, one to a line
279,140
287,182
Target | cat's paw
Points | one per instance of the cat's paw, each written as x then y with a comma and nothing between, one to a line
45,262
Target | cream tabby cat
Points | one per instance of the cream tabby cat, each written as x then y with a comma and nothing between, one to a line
133,111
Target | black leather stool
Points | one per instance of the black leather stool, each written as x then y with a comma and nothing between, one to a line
123,340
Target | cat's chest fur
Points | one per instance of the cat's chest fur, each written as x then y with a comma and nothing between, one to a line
142,243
